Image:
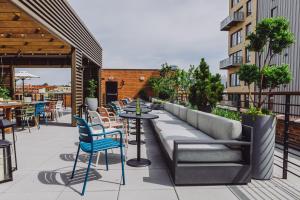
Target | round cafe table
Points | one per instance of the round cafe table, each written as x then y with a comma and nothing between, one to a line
138,162
133,110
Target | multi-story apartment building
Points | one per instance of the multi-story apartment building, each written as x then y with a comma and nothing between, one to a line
240,22
242,19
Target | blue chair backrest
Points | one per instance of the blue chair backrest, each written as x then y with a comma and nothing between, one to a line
39,108
85,132
114,107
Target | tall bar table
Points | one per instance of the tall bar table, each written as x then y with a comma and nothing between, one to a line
138,162
133,110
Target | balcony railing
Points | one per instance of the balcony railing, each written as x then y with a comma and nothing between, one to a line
231,20
231,62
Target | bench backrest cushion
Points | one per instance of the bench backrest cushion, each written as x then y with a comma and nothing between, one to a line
191,117
176,110
167,106
183,113
219,127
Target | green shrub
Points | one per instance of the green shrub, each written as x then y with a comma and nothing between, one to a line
4,93
229,114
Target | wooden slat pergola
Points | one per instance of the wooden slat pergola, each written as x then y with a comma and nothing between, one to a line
48,34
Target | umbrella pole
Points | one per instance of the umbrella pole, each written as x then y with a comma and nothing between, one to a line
23,89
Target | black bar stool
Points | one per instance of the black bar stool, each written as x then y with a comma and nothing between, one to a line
6,167
4,124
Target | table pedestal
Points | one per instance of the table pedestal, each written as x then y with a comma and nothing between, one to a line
138,162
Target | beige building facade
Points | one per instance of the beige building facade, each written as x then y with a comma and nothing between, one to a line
240,22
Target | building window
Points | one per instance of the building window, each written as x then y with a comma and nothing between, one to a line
234,80
236,57
234,2
236,38
248,55
248,29
274,12
249,7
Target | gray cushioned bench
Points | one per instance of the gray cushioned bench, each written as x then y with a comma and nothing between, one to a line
202,148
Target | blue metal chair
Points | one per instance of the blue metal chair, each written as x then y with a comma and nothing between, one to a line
40,111
90,145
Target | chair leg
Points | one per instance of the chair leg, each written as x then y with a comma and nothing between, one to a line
122,162
106,160
37,122
75,163
28,125
87,174
46,119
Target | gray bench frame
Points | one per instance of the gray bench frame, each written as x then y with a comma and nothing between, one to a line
216,173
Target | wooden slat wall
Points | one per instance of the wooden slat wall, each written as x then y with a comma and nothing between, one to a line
50,13
77,78
6,73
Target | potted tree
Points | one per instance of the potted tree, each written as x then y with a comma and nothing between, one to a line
91,101
206,89
271,37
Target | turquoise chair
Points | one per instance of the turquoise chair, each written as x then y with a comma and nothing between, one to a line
90,145
40,111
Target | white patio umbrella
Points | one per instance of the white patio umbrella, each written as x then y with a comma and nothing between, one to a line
23,75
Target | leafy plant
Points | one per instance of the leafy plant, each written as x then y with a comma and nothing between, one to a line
92,87
229,114
206,89
272,36
4,93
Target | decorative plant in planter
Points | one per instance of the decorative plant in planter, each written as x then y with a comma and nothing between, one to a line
91,100
206,89
272,36
4,93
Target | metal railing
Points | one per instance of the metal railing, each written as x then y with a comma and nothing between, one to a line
286,104
231,61
230,20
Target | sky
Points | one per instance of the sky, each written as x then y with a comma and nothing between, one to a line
148,33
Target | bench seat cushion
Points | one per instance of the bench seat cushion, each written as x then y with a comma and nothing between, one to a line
170,128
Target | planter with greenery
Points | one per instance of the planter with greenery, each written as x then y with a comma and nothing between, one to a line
91,101
4,93
206,89
271,37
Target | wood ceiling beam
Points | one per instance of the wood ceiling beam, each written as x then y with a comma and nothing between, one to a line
31,43
34,51
12,39
6,7
21,30
18,24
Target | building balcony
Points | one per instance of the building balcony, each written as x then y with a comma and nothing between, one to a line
231,62
232,20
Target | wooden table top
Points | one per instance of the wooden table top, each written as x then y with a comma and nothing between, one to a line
15,104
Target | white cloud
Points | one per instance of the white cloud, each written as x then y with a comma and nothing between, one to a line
147,33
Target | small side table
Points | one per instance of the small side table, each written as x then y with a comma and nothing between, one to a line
138,162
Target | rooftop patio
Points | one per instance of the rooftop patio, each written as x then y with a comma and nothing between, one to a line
46,157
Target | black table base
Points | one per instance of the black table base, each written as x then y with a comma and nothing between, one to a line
134,142
134,133
142,162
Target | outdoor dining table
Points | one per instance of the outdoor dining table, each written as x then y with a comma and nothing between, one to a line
134,106
9,106
138,162
133,110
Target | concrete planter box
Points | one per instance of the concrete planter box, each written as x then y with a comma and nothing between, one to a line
264,129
